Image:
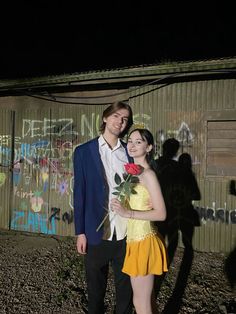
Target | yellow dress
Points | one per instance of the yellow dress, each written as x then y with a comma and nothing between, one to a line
145,251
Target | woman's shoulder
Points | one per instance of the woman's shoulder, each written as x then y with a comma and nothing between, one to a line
148,174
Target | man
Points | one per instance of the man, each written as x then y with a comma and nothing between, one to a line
95,165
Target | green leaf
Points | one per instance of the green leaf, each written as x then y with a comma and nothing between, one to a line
117,179
119,188
125,175
134,179
115,193
127,190
122,184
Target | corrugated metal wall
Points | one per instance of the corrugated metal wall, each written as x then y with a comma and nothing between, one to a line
181,110
46,135
43,170
6,158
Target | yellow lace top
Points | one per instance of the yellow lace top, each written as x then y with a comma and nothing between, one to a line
139,229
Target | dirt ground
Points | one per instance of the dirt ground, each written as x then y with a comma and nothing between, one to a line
43,274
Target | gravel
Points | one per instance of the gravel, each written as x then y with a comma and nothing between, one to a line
43,274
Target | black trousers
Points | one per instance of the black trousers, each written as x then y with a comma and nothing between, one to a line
97,262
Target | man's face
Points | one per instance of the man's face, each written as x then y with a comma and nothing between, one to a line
117,122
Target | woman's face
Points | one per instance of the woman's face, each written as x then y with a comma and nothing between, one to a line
137,147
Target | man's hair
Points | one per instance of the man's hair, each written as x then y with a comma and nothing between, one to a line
114,108
170,147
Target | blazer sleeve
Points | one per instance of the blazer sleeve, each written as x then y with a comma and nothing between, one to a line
79,192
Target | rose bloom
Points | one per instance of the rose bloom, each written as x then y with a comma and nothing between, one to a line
133,169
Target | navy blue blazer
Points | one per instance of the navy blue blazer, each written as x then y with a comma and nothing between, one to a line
90,192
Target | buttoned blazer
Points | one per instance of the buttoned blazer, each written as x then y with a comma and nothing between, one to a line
90,192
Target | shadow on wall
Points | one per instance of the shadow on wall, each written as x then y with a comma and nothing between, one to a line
179,187
230,261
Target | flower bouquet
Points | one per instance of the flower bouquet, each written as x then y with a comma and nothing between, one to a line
126,186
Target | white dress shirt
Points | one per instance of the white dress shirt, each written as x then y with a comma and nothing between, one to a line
113,161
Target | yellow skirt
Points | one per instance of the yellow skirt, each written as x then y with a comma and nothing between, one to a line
144,257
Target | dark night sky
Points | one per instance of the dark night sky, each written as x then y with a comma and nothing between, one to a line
38,38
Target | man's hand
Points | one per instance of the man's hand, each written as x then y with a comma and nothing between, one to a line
81,244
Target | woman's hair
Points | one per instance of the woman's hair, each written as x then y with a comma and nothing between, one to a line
147,136
114,108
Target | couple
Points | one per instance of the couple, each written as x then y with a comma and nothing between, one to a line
135,259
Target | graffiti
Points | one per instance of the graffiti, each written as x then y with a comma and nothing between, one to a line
45,148
63,187
66,217
2,178
92,126
71,194
47,127
141,120
217,215
5,151
184,135
16,176
31,152
55,213
22,194
45,178
32,222
36,202
27,179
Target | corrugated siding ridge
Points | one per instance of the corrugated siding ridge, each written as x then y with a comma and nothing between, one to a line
168,68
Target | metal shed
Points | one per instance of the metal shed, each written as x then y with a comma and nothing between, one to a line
44,118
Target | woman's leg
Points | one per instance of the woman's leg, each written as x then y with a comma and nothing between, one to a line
142,293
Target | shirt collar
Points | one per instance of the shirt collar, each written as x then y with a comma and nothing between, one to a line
102,142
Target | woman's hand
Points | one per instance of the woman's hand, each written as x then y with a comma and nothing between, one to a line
117,207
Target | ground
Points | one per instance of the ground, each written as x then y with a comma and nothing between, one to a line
43,274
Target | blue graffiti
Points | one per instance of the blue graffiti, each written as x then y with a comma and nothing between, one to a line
32,222
40,144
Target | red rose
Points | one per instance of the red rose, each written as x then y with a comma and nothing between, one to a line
133,169
125,188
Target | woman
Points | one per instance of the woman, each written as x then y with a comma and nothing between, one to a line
145,251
